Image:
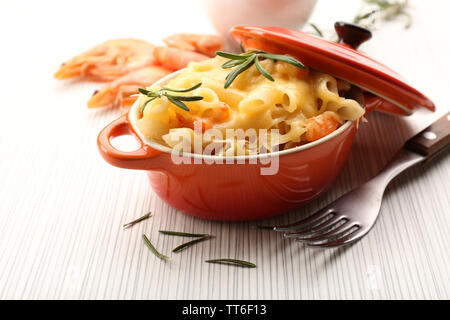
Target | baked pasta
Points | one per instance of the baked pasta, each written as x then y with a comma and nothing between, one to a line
253,115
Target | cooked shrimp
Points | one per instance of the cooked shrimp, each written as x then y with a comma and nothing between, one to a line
322,125
109,60
203,43
175,59
118,92
206,120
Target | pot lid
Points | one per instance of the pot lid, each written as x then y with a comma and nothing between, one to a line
339,59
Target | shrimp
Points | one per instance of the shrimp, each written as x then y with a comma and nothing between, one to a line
321,125
205,121
119,91
202,43
109,60
175,59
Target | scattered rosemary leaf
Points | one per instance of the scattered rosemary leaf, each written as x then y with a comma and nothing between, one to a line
190,243
132,223
183,234
153,249
233,262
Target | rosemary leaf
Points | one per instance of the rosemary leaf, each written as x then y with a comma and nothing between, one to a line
232,63
185,98
176,100
233,56
383,4
359,18
183,234
233,262
238,70
146,102
385,11
190,243
132,223
317,29
144,91
263,72
280,57
153,249
183,90
178,103
243,61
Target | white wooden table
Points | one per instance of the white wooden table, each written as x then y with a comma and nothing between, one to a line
62,207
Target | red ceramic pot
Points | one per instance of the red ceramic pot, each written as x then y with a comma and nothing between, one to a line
239,191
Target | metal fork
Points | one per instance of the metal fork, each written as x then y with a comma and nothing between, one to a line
351,216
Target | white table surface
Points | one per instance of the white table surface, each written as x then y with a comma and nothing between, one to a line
62,207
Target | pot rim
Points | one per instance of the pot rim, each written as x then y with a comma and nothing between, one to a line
134,113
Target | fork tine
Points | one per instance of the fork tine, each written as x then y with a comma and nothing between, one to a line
346,240
316,229
327,235
305,222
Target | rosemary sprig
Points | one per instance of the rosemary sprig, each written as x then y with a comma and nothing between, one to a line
132,223
245,60
190,243
153,249
384,10
373,11
183,234
364,16
233,262
175,99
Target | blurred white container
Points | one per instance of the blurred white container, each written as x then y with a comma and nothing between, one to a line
225,14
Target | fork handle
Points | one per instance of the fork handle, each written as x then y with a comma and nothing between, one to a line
433,139
419,148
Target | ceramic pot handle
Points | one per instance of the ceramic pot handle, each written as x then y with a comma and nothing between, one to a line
142,158
352,34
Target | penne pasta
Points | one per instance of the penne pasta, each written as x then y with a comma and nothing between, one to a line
297,107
